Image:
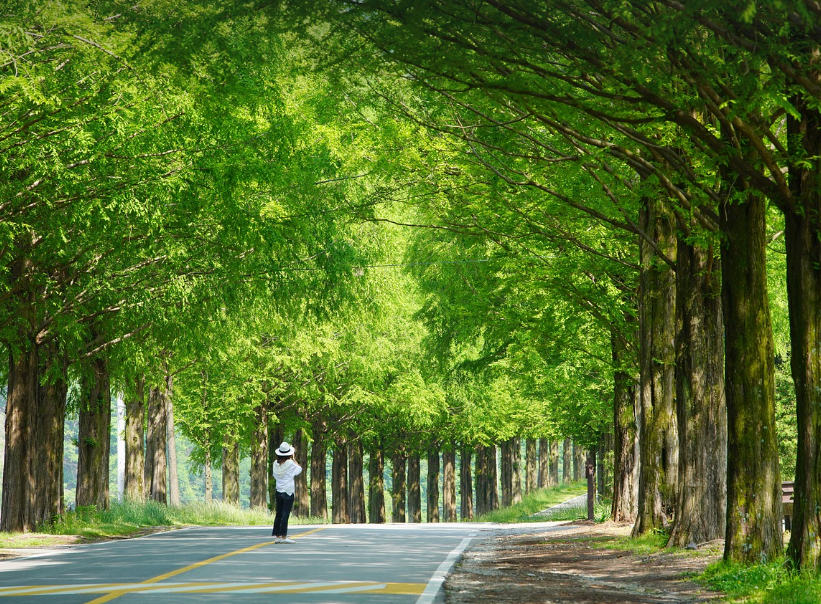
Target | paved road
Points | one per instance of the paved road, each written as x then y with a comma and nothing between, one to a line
337,564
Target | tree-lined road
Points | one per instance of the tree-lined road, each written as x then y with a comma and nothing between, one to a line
388,564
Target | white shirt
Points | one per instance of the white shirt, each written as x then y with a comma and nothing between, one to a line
285,473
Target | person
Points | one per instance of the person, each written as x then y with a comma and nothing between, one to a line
285,469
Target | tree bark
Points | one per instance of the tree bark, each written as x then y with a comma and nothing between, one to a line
414,488
302,502
579,459
356,480
553,479
492,477
433,486
449,485
340,513
753,479
531,465
507,474
701,502
259,458
803,242
134,440
398,463
230,470
466,483
658,436
319,499
481,506
543,479
49,430
626,444
171,439
567,461
156,464
209,481
376,487
94,437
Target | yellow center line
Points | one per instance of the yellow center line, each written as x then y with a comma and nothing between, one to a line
116,594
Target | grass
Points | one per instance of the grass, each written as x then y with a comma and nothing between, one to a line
536,502
762,583
129,519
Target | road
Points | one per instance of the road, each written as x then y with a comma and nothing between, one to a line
328,564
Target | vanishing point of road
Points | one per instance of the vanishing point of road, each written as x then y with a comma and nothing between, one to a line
328,564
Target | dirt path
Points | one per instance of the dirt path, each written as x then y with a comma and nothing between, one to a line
572,567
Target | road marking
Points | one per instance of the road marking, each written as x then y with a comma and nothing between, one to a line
119,592
285,587
438,577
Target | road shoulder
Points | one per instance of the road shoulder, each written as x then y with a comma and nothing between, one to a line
572,566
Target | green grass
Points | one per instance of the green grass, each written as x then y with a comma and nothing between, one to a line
762,584
127,519
536,502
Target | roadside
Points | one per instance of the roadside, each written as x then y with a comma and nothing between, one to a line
577,566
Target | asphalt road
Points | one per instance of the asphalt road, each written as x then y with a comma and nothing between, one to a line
328,564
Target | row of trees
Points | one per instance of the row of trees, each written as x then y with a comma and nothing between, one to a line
652,146
206,224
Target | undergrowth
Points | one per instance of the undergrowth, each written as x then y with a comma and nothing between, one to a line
762,583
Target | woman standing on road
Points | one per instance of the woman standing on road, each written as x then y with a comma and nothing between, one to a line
285,469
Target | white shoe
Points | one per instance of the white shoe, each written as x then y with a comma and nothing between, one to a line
287,540
277,540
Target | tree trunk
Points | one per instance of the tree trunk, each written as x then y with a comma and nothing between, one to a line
449,485
579,460
173,474
94,437
319,499
433,486
21,404
567,461
134,439
531,465
356,481
507,474
340,513
259,458
376,487
302,502
658,435
230,470
543,480
701,503
625,447
492,477
516,469
481,481
753,479
803,242
156,465
466,484
553,478
414,488
398,491
49,430
209,481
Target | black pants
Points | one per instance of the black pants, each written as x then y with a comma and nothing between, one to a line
284,504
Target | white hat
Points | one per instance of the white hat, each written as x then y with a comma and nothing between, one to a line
285,450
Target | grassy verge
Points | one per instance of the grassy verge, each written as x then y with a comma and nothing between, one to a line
741,584
536,502
129,519
762,584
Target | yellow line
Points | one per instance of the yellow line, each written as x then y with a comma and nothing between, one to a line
116,594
